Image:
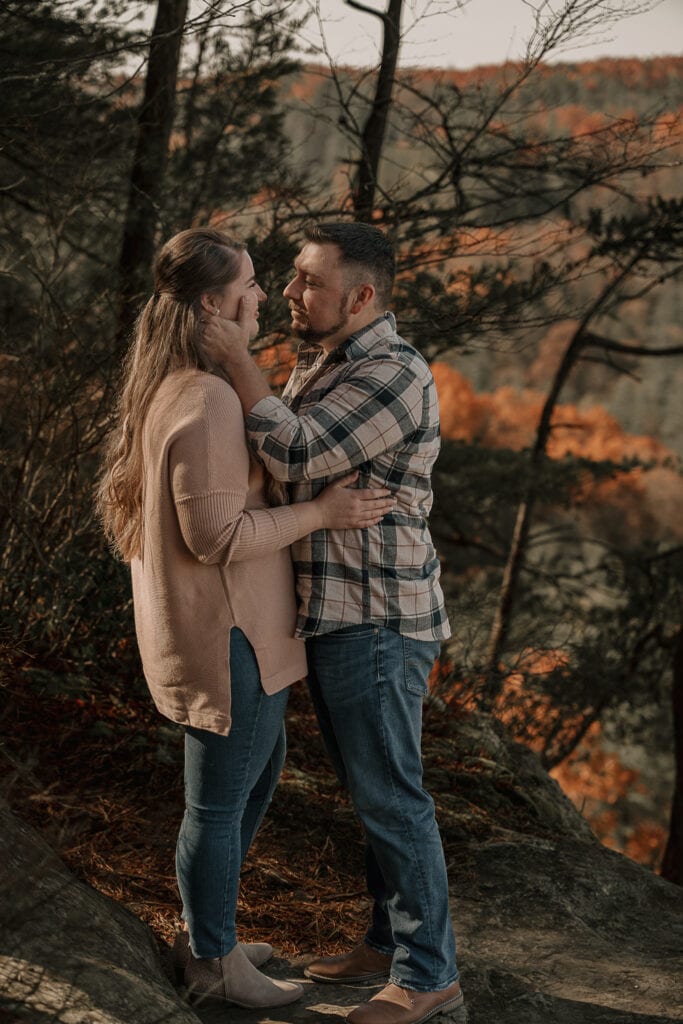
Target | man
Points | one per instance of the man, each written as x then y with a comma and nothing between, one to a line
370,604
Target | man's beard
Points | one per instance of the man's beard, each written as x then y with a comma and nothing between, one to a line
311,335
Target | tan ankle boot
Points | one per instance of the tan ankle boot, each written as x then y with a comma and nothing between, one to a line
233,979
257,953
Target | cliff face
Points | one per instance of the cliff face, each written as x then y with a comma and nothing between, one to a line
552,926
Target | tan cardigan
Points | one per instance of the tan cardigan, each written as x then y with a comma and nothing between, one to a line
214,556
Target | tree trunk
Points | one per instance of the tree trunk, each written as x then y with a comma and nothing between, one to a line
520,536
372,138
672,863
581,339
155,123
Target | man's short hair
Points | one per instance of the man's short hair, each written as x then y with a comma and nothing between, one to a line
361,245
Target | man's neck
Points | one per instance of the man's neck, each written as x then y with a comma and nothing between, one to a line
334,341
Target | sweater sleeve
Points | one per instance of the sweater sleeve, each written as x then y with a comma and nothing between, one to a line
209,475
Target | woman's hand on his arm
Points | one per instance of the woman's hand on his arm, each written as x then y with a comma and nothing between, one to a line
344,507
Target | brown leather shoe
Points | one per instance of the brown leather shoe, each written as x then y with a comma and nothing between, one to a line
361,964
394,1005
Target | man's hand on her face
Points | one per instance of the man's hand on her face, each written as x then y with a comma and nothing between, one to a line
225,339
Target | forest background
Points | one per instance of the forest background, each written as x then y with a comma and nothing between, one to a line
537,215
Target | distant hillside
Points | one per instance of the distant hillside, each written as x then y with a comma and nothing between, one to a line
564,96
565,100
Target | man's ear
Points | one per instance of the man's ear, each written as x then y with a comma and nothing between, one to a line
364,297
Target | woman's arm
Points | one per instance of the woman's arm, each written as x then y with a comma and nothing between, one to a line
217,528
209,472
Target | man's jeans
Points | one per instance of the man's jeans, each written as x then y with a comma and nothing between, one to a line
229,781
367,684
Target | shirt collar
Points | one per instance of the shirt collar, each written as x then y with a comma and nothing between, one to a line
355,346
360,343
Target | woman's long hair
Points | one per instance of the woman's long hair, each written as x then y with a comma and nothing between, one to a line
167,337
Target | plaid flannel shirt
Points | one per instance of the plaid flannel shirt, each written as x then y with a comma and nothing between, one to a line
369,405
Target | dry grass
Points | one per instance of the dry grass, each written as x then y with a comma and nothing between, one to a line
101,778
102,781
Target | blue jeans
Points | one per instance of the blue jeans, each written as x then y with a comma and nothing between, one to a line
229,782
367,684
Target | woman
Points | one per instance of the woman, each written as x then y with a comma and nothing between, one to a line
183,501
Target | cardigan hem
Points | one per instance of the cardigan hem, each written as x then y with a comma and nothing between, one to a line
210,722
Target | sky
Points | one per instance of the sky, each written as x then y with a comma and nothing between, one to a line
437,34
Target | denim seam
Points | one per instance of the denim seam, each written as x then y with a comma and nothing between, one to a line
379,670
406,823
379,949
226,909
393,980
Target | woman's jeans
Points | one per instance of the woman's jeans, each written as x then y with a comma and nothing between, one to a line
368,684
229,781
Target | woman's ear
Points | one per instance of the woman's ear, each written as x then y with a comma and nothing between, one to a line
209,302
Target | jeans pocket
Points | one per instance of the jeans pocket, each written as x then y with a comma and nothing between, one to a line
415,680
418,659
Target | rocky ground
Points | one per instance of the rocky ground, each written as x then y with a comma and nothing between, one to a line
552,927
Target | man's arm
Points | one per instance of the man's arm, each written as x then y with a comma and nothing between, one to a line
370,412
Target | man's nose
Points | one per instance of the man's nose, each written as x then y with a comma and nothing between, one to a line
291,291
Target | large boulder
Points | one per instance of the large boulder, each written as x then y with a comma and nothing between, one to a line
69,954
552,927
549,932
566,932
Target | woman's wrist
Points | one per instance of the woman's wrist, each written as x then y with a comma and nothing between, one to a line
309,515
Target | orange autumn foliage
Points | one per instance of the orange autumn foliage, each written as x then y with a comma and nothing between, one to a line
647,498
600,785
592,773
530,714
669,127
644,501
277,362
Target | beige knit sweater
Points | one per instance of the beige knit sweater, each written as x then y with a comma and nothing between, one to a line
214,556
